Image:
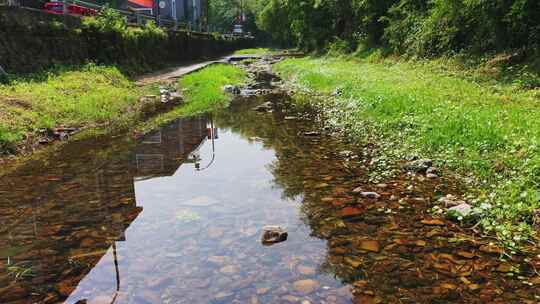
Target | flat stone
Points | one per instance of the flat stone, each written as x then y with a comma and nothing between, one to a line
535,280
370,245
306,286
229,269
273,234
432,170
370,195
215,232
262,290
465,254
290,298
433,222
222,295
357,190
417,166
463,209
349,211
450,201
306,270
321,185
217,259
355,263
504,267
491,249
101,300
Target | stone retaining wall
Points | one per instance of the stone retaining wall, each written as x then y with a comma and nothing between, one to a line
32,40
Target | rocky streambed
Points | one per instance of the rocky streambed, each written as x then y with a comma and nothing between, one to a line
178,215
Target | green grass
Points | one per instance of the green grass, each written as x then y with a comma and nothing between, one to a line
487,131
254,51
70,97
202,91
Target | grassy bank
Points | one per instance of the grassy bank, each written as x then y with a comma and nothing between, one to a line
71,97
99,95
202,91
486,131
253,51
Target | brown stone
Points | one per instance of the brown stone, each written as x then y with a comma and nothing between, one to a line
433,222
491,249
535,280
349,211
370,245
306,286
465,254
229,269
306,270
504,267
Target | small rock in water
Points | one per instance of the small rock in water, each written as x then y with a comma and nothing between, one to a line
229,269
273,234
450,201
357,190
433,222
418,166
306,270
306,286
175,97
262,290
463,209
370,245
346,153
224,295
312,133
265,107
290,299
371,195
229,88
432,170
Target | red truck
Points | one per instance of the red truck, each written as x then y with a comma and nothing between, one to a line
57,7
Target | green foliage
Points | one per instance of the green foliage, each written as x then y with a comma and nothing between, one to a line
487,133
415,27
338,47
108,20
135,48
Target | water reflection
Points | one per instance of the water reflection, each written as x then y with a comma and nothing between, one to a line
61,217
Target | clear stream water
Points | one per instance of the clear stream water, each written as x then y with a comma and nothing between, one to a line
176,217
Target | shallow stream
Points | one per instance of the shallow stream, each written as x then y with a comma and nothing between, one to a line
176,217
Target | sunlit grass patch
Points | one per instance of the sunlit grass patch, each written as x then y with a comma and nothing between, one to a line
203,92
486,130
63,96
253,51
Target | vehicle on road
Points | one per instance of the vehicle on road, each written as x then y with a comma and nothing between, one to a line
57,7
